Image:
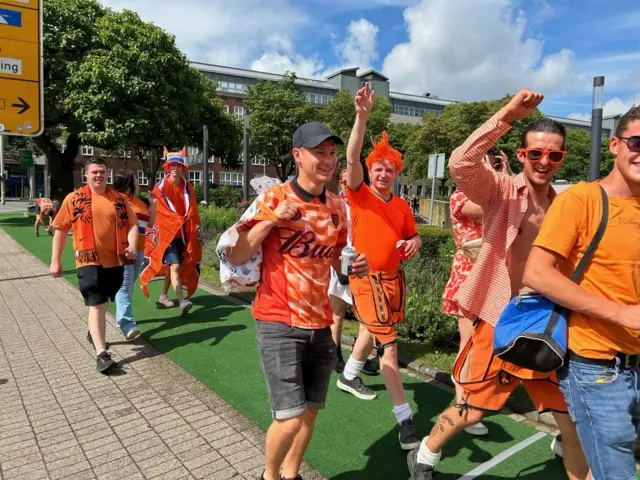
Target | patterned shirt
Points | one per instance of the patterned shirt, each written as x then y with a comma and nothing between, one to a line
504,200
297,257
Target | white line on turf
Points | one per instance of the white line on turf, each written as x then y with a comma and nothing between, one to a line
479,470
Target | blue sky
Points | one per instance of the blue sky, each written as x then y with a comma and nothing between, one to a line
456,49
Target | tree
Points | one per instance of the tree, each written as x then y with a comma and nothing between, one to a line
135,90
576,164
69,32
277,110
445,133
340,115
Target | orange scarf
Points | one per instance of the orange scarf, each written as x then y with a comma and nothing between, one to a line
169,225
83,238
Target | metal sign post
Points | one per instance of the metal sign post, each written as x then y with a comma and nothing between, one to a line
435,170
2,176
596,128
245,159
205,160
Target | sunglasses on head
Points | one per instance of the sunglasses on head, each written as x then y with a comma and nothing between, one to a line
537,154
633,143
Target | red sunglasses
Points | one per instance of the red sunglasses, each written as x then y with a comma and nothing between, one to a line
537,154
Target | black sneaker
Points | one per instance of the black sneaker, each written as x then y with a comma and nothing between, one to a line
356,387
104,362
407,436
370,367
107,345
419,471
340,364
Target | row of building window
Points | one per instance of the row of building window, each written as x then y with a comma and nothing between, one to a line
413,111
233,87
318,99
195,176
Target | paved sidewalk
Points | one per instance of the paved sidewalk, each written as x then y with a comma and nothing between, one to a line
60,419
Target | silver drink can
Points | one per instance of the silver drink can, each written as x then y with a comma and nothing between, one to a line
348,258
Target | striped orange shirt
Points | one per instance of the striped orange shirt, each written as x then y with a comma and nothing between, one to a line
504,200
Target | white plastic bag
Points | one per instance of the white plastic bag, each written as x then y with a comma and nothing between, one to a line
245,276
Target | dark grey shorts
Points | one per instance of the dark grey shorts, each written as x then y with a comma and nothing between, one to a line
297,364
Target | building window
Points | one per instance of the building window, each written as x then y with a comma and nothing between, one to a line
258,161
238,112
84,175
232,87
318,99
210,177
212,159
195,176
231,178
86,150
160,176
226,109
109,176
142,180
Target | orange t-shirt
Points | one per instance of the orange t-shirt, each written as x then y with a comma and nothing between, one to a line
142,214
377,225
175,194
103,214
297,257
614,270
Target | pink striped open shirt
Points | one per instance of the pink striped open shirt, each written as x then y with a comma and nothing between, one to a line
504,200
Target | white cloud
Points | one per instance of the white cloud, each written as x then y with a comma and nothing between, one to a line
475,49
218,31
615,106
359,49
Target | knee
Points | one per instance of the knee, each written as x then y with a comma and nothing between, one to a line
291,426
175,268
473,416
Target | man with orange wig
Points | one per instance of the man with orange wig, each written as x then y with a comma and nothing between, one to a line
383,229
175,240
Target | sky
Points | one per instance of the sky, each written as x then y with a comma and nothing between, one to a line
453,49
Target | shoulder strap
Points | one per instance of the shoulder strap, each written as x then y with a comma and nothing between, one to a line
584,261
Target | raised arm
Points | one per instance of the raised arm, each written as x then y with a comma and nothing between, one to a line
468,169
364,104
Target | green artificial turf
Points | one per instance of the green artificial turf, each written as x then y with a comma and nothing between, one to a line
354,439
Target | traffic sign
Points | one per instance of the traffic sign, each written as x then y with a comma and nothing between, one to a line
21,80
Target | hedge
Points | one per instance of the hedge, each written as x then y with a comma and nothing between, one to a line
426,275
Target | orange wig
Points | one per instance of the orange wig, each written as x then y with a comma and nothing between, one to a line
382,151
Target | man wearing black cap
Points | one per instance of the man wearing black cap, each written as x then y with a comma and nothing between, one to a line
302,229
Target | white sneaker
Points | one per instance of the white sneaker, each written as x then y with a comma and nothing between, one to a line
479,429
185,306
165,302
556,445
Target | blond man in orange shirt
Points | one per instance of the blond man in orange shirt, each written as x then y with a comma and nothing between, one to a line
379,220
600,378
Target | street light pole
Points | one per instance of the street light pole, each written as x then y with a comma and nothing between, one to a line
205,159
245,158
2,182
596,127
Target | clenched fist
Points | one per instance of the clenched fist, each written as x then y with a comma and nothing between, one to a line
521,105
286,210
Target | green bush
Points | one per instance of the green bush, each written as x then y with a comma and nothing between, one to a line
215,220
426,276
223,196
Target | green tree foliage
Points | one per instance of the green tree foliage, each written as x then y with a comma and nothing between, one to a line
135,90
340,115
277,110
576,164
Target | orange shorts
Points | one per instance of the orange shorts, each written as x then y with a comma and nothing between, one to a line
378,302
489,381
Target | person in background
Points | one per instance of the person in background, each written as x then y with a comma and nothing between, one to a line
126,183
45,207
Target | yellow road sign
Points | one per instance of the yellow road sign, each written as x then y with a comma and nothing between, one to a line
21,82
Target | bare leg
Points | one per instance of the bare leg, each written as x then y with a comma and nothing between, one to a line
280,438
338,307
175,280
450,424
465,327
573,457
293,460
97,326
166,284
391,375
38,223
364,344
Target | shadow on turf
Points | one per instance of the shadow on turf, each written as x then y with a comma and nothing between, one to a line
17,221
207,309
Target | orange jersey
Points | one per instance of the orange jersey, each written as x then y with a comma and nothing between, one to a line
377,225
297,256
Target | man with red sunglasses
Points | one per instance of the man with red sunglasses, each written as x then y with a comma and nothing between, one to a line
601,373
513,209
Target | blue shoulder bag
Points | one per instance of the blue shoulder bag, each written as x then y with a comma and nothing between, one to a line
532,330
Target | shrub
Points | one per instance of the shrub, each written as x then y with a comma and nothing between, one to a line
215,220
224,196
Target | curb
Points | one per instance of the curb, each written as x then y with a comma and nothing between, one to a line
545,420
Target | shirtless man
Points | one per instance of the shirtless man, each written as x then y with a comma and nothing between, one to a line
513,209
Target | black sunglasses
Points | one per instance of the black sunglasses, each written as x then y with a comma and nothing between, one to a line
633,143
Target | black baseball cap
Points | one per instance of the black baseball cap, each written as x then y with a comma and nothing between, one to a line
312,134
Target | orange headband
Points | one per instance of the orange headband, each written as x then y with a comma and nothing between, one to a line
382,151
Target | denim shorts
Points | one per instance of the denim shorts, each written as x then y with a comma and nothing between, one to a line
174,254
297,364
603,402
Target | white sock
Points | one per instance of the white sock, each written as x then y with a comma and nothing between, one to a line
427,456
402,412
352,368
